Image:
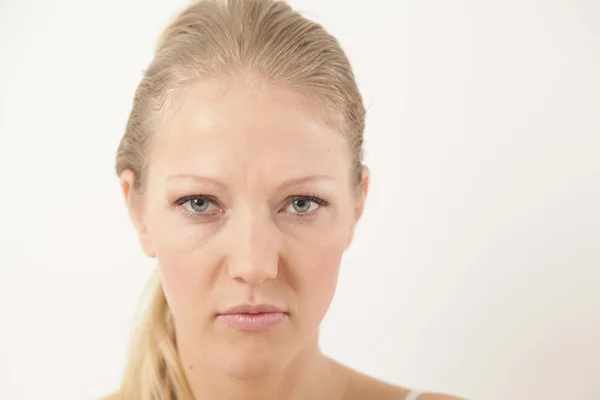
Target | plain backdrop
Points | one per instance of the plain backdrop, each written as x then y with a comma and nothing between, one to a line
476,267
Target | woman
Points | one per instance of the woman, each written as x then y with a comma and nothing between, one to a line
241,167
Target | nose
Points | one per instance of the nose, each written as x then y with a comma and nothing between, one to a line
254,251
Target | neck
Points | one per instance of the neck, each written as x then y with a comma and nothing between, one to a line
309,375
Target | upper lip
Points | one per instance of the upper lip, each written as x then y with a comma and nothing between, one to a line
252,309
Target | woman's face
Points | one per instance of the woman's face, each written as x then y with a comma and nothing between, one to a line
249,201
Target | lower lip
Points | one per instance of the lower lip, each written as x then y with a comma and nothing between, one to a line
252,322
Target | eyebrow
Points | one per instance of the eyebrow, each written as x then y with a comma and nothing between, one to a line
286,183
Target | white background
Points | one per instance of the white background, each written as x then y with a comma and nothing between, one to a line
476,268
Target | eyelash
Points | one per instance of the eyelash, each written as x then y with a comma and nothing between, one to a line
303,196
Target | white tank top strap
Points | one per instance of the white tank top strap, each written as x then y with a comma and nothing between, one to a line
413,395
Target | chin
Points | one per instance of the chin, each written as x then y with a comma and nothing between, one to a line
251,362
250,367
251,356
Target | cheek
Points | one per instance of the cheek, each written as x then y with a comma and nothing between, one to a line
317,277
318,258
180,251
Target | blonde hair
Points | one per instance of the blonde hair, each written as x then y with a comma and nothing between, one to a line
212,37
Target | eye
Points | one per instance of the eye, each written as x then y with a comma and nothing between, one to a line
305,205
195,205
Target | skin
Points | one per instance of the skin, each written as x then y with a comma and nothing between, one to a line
252,151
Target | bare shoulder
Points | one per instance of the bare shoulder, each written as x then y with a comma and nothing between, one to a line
362,386
438,396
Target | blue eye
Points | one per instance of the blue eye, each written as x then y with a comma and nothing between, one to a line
207,206
198,205
305,205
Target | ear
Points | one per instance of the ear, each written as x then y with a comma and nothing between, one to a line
134,203
361,198
364,191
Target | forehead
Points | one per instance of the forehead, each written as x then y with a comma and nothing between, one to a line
225,126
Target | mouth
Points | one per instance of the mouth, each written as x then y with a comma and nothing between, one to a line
253,317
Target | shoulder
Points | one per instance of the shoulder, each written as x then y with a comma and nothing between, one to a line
361,386
438,396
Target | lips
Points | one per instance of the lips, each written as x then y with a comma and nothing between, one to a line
253,309
252,317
